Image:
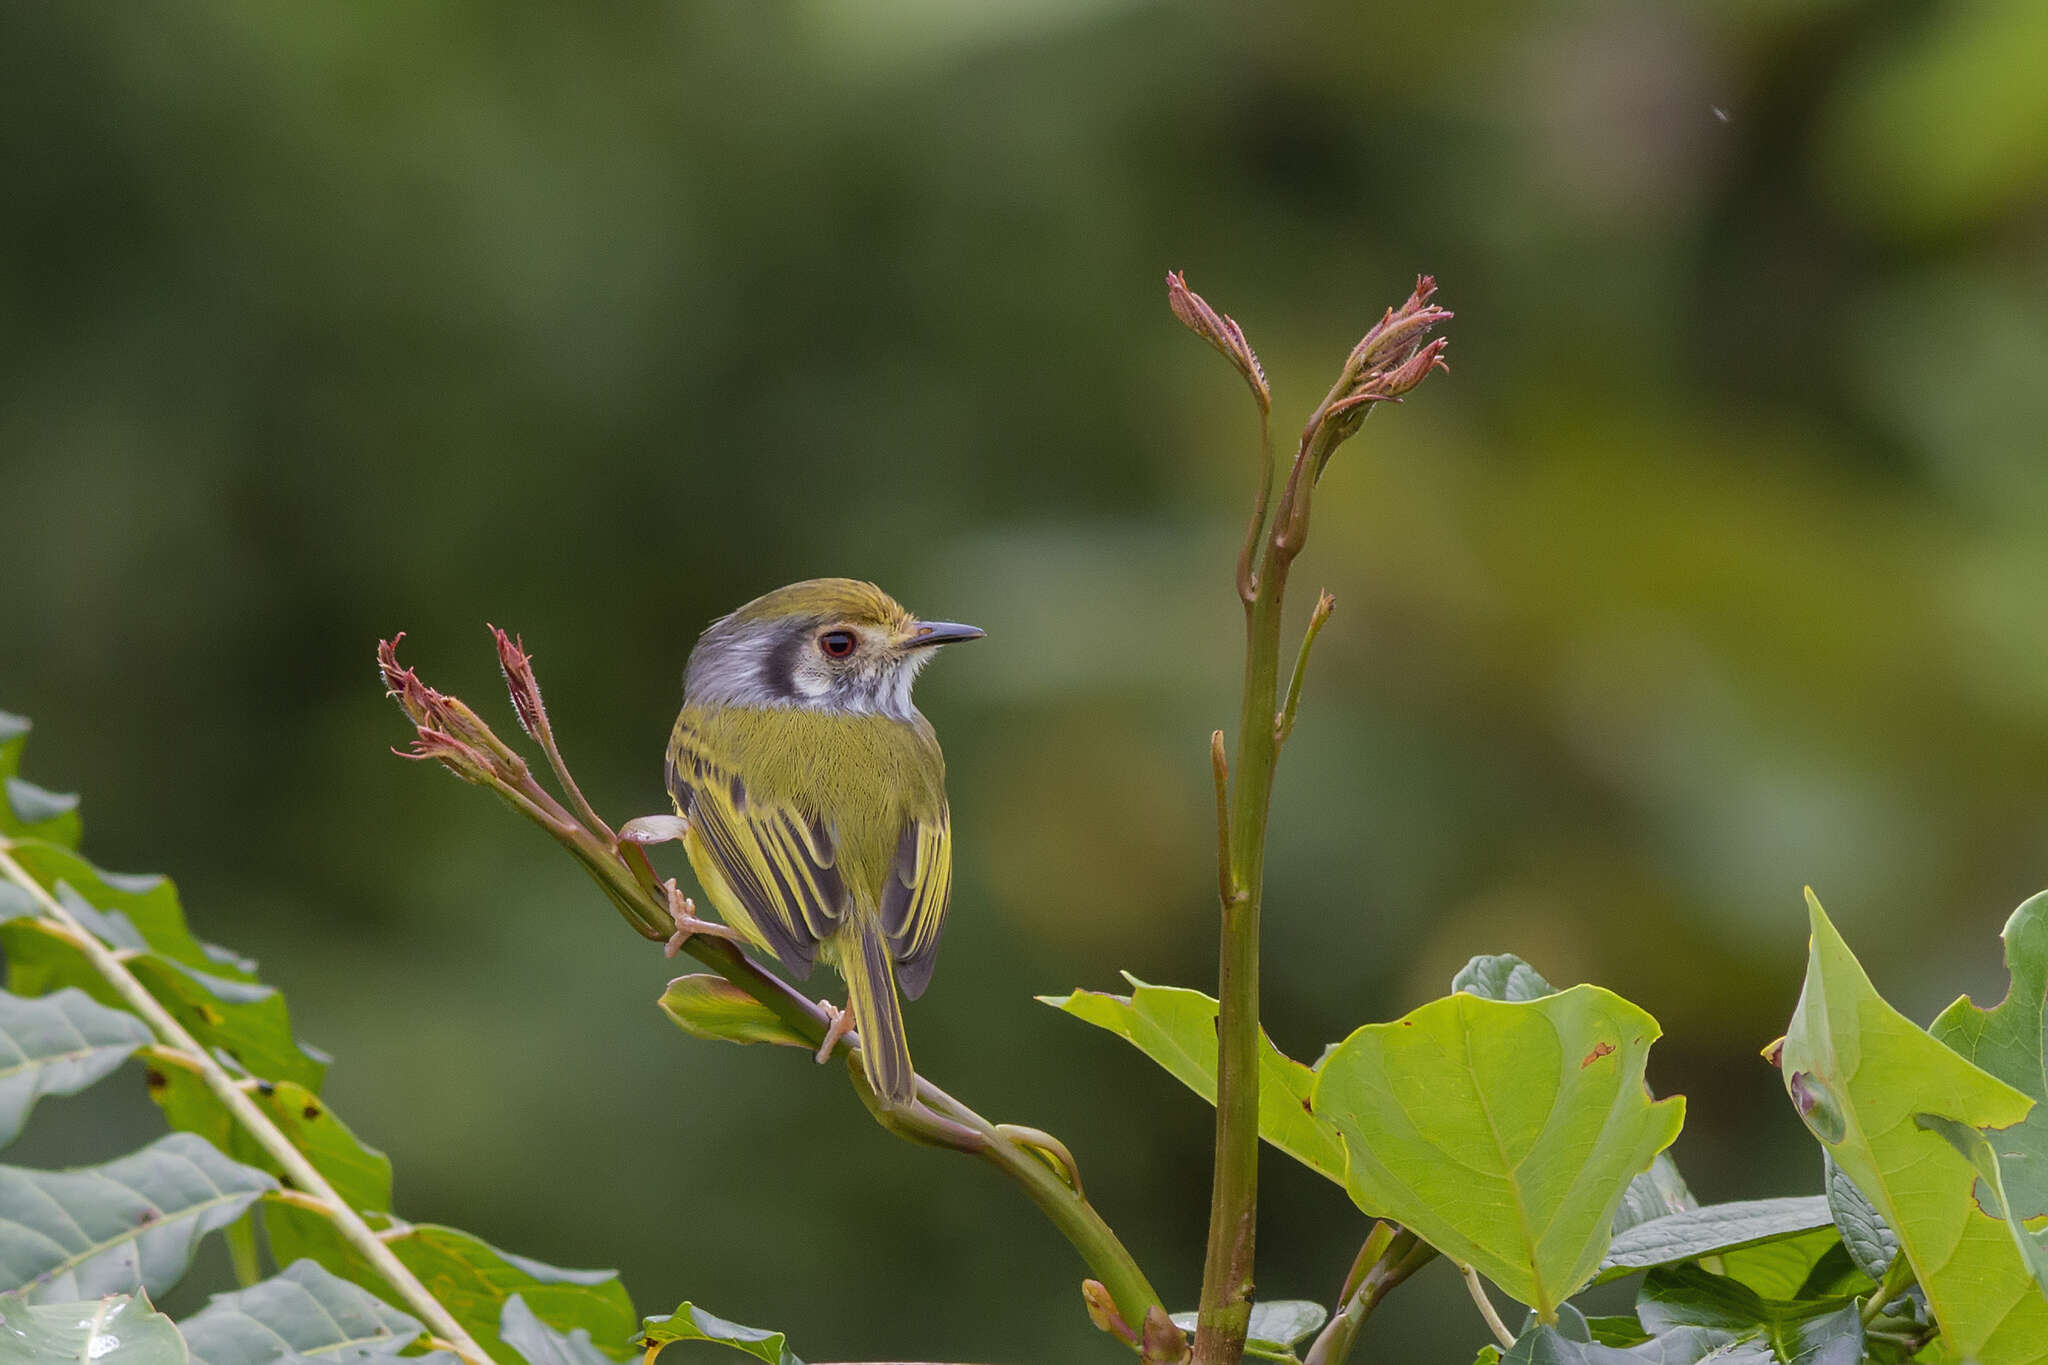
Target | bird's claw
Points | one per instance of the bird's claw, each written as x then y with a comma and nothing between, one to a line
683,911
840,1027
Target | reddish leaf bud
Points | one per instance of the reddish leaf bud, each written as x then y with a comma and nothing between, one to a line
1221,331
517,666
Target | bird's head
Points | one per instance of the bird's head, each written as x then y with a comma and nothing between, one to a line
827,644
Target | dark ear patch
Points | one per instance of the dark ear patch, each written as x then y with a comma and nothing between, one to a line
778,665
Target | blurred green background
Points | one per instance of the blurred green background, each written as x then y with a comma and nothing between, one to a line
1714,568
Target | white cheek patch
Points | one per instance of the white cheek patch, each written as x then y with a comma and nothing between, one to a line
810,685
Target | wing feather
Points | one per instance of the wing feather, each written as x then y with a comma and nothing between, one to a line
779,865
915,898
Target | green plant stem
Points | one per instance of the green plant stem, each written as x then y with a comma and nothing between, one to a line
1484,1303
1283,724
303,1173
1225,1311
1898,1278
1390,1256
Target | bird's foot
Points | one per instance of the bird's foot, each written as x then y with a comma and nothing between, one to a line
840,1027
653,829
683,911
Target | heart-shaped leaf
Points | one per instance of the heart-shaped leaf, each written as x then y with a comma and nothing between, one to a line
57,1044
1177,1029
1502,1133
2010,1041
708,1006
691,1323
1655,1193
1857,1071
108,1229
120,1329
302,1314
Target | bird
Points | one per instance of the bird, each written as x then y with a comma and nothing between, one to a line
810,797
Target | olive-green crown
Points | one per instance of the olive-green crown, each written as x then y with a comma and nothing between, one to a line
836,599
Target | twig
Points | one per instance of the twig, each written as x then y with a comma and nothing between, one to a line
517,665
1283,724
933,1119
1486,1308
303,1173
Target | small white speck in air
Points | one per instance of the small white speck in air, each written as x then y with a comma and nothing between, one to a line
1720,114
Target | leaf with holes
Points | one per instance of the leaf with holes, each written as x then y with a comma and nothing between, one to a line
1177,1029
121,1329
2010,1041
709,1006
1502,1133
691,1323
473,1278
57,1045
302,1314
1857,1071
1989,1163
108,1229
360,1174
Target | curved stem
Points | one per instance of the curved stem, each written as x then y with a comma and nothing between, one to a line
253,1120
1484,1303
1390,1255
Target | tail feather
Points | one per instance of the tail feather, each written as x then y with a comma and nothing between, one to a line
871,990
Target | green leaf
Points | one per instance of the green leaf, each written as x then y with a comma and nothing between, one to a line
299,1313
245,1019
1790,1267
57,1045
1871,1242
2009,1041
1503,1134
121,1329
1825,1332
1501,976
1276,1326
1177,1029
1857,1071
473,1278
1619,1330
691,1323
125,910
709,1006
540,1344
105,1229
1711,1231
1544,1345
1976,1148
26,810
360,1174
1659,1191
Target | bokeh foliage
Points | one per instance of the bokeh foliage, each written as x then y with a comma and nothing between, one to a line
1716,572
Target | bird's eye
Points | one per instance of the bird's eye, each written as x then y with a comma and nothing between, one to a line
837,644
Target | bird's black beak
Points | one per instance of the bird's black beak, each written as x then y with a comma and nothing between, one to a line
941,633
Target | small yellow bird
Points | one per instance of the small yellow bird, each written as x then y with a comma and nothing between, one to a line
812,797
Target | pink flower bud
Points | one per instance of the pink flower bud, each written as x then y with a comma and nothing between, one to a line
1219,330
